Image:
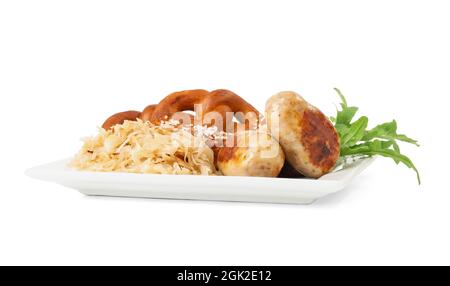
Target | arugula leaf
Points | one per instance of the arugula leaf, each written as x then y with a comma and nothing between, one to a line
347,113
388,131
355,132
396,148
357,141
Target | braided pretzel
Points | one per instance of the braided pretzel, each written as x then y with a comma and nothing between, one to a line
237,157
213,106
220,101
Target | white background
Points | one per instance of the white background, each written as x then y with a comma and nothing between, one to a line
67,65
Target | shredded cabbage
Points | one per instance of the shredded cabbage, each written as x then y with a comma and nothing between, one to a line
141,147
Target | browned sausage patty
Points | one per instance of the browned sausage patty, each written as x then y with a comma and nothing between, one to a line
309,139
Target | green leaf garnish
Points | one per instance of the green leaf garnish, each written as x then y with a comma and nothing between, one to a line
357,141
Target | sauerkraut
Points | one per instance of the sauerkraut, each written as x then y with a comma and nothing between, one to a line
140,147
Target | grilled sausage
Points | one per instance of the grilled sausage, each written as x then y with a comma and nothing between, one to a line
254,153
309,139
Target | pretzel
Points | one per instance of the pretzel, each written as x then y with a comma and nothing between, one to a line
217,108
220,101
120,117
214,107
147,112
131,115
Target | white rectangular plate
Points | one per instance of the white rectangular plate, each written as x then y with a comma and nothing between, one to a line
216,188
